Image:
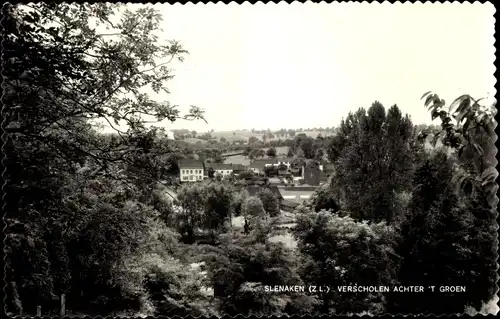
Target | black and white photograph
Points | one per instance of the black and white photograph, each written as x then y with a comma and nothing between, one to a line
279,159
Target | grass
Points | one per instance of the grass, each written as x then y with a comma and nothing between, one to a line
313,134
238,159
194,140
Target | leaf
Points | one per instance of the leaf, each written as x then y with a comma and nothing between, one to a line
463,114
460,150
429,99
457,102
434,114
489,175
480,117
425,94
478,149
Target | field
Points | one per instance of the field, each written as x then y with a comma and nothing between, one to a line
314,134
193,140
239,136
238,159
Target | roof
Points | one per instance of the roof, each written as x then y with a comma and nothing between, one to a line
288,204
219,166
312,163
188,163
266,161
258,165
239,167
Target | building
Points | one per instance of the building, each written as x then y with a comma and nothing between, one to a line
222,169
297,194
191,170
239,168
258,166
312,174
285,161
283,170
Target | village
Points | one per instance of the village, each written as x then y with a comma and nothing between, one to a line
258,160
293,180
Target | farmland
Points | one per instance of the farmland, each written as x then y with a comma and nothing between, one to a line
238,159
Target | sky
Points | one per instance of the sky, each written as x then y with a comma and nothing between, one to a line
307,65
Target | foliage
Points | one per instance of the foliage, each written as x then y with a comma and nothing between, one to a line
305,145
324,199
472,135
373,161
243,265
252,210
446,240
252,140
271,152
269,201
339,251
77,199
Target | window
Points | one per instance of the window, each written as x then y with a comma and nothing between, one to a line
191,177
190,171
184,178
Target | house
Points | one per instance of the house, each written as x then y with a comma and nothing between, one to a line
239,168
258,166
312,174
222,169
283,170
191,170
285,161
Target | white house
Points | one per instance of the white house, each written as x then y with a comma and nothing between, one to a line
190,170
222,169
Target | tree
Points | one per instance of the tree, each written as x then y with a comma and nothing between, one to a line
245,263
252,209
324,199
269,201
191,200
246,174
271,152
471,135
270,171
252,140
217,200
373,161
446,239
223,140
319,154
247,150
218,159
211,172
78,200
340,251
